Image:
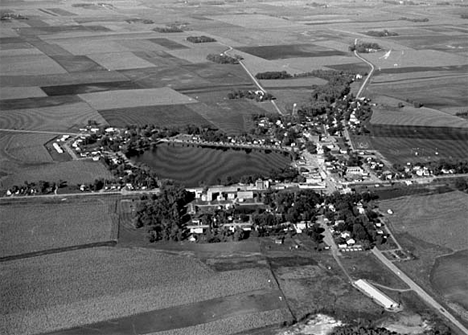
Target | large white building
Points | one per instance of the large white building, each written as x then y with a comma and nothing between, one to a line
376,295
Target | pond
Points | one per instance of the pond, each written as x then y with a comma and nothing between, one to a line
193,165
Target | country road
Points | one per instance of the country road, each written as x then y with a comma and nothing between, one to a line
257,83
419,291
364,84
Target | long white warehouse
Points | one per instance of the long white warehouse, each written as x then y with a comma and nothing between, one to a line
376,295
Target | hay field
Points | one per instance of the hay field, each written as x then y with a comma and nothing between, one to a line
74,172
84,286
291,83
439,219
135,98
53,118
197,55
27,148
31,227
254,21
449,278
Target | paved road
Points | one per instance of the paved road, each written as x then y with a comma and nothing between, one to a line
416,288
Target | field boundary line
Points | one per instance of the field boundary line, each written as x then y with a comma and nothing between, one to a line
47,132
58,250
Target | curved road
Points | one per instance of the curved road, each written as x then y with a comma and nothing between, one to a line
368,76
416,288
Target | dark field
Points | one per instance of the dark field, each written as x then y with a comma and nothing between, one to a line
454,68
449,277
171,45
434,133
89,88
192,165
40,102
168,115
33,31
77,63
272,52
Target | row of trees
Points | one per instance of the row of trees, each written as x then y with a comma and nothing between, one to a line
365,47
248,94
200,39
381,33
273,75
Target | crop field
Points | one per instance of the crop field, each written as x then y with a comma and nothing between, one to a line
197,55
272,52
449,278
167,43
292,83
135,98
49,225
443,92
74,172
104,283
89,88
29,65
120,61
53,118
219,74
192,165
166,115
437,219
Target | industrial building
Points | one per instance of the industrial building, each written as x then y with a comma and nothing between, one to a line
379,297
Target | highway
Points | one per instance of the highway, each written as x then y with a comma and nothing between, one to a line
416,288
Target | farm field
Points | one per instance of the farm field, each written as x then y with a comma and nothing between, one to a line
437,219
192,165
74,172
129,281
53,224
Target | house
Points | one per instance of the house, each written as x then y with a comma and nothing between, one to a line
350,242
356,170
245,195
300,226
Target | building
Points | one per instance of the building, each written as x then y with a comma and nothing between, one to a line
376,295
355,170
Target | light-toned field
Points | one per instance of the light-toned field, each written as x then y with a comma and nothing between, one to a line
74,172
31,227
120,61
84,286
291,83
135,98
54,118
92,47
198,55
21,92
29,65
438,219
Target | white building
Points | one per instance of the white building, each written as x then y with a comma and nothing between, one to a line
376,295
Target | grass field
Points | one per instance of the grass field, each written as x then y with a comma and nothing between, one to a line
26,148
437,219
53,224
103,283
449,278
163,116
272,52
192,165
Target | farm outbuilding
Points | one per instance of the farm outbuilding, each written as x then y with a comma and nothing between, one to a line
376,295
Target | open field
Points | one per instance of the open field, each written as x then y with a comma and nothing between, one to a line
437,219
26,148
272,52
103,283
192,165
449,278
53,224
74,172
